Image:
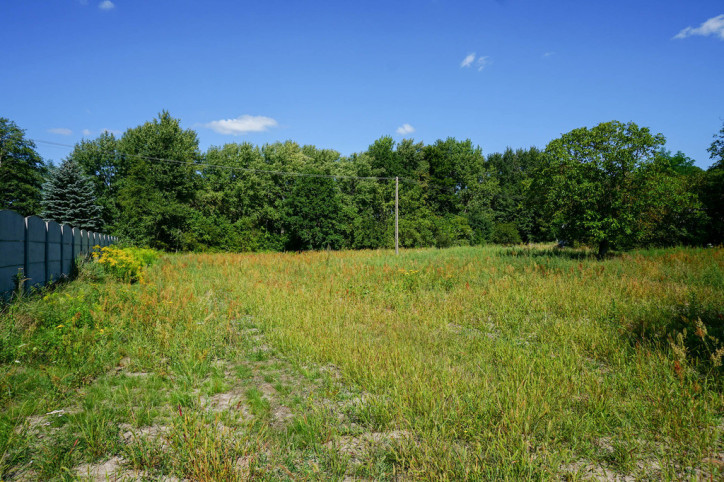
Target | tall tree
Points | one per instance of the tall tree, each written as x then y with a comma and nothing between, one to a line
100,160
69,198
384,159
716,149
461,184
314,214
513,170
712,190
21,170
587,183
679,163
669,211
156,194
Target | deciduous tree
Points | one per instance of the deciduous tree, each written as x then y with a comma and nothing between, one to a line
314,215
101,161
712,190
588,182
155,196
716,149
21,170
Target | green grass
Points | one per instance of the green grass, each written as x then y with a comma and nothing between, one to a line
467,363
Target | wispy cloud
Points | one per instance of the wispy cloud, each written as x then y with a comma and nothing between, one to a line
60,131
106,5
713,26
548,54
88,132
242,125
405,129
468,61
482,63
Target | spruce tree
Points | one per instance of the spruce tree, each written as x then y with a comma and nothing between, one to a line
68,198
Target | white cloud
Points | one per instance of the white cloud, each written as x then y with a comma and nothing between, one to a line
86,132
468,61
61,131
242,125
548,54
482,63
106,5
405,129
713,26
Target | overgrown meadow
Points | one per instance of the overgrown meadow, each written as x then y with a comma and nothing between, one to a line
464,363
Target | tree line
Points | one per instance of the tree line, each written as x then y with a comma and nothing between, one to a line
613,186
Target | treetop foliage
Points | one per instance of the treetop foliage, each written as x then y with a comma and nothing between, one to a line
716,150
589,179
612,185
21,170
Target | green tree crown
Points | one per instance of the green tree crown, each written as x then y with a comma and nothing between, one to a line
22,170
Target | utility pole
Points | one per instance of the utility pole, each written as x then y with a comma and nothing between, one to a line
397,229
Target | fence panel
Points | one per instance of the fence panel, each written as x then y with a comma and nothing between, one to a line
36,235
66,249
44,251
76,242
12,247
53,252
83,241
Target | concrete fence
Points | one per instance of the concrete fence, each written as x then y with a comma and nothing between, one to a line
43,251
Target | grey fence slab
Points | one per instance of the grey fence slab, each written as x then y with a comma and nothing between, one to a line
40,251
83,242
53,252
66,249
77,241
35,239
12,248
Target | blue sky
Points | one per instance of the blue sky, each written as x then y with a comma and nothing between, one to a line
341,74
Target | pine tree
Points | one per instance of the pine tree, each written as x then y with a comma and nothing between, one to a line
68,198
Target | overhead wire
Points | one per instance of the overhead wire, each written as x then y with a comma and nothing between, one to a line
248,169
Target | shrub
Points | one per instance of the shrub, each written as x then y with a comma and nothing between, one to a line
505,233
126,264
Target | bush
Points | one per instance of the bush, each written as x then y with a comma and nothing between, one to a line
505,233
126,264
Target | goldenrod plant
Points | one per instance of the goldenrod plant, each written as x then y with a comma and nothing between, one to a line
126,264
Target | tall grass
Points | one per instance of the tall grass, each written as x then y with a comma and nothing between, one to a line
472,362
503,362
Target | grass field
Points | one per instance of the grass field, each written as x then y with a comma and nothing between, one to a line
466,363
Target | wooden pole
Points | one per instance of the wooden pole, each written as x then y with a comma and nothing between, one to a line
397,229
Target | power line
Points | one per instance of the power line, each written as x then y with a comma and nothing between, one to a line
236,168
248,169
